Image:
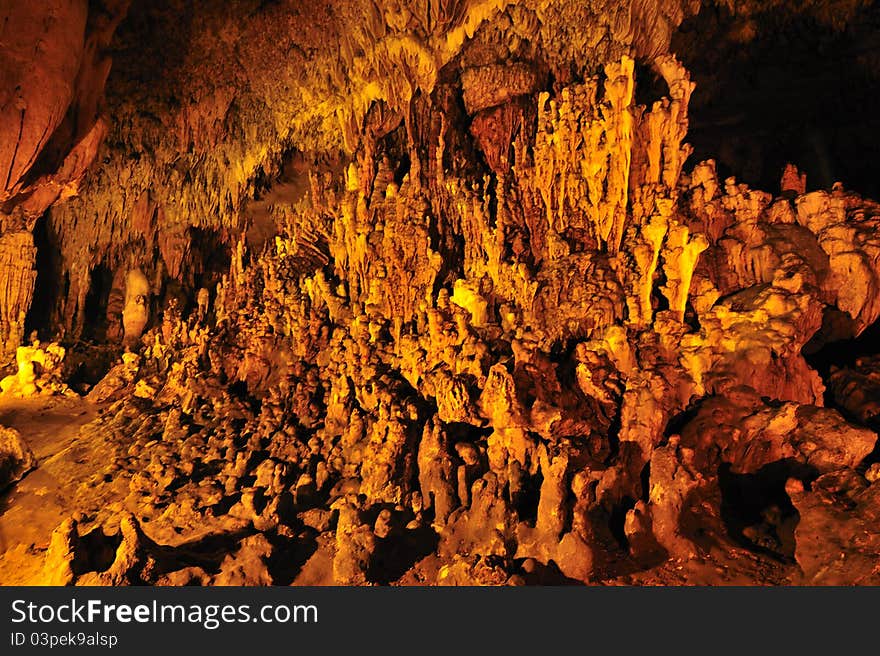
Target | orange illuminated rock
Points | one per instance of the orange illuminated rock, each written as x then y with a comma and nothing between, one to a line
837,540
793,181
16,457
422,293
857,389
748,435
17,258
39,371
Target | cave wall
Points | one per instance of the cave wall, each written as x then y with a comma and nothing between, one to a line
53,67
203,109
444,269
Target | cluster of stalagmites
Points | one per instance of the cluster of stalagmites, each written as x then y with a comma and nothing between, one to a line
519,378
256,79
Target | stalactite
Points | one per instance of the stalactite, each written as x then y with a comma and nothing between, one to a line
426,283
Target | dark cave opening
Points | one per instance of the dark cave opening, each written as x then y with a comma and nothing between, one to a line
778,88
617,520
100,550
757,511
399,551
48,285
95,323
844,366
527,497
210,257
822,355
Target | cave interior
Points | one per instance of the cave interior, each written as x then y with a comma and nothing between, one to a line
451,292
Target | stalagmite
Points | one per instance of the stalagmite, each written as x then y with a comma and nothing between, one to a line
17,277
39,371
135,311
425,293
679,261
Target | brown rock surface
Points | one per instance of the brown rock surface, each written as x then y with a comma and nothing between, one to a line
16,457
837,538
407,293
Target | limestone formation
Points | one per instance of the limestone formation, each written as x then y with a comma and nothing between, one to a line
17,256
135,311
16,457
856,389
836,536
39,371
430,293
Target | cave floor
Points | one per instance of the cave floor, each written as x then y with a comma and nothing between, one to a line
31,509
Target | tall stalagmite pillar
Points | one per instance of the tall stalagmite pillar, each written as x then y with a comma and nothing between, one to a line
17,277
